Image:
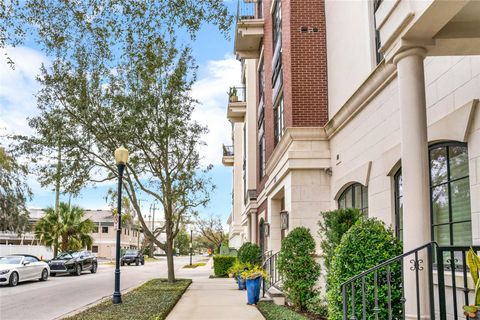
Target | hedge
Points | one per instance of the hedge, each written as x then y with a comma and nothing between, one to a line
368,243
221,264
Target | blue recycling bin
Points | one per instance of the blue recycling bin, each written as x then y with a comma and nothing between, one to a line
241,283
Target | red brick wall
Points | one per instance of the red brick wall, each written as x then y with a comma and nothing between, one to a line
306,53
304,60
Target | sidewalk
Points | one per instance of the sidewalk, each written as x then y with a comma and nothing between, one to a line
212,299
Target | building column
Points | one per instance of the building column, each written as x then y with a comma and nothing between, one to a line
415,175
254,226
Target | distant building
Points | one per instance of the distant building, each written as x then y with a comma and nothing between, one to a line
104,235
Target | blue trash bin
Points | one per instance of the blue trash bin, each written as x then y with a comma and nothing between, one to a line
253,290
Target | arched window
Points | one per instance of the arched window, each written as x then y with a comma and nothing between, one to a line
398,204
450,194
355,196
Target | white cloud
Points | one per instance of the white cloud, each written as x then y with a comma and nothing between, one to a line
211,90
18,87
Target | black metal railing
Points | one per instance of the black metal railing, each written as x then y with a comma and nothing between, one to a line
228,151
379,292
249,9
451,261
274,278
237,94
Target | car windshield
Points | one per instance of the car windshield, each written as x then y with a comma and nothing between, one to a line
68,255
131,252
10,260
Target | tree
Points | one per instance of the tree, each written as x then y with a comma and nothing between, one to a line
67,229
14,192
50,154
120,78
212,229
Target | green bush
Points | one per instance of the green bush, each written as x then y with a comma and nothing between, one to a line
221,264
333,225
297,265
368,243
249,253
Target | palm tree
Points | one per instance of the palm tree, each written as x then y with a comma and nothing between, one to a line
68,229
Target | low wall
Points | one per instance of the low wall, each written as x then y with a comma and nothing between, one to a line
38,251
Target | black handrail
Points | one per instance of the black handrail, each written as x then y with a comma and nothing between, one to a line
274,277
388,280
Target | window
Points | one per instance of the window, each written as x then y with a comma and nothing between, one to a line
30,259
450,194
277,24
278,120
398,205
355,196
378,44
261,82
277,49
104,229
95,249
261,145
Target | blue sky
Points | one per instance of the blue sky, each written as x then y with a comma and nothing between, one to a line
218,70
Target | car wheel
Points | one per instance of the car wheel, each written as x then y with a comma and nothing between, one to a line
44,275
123,263
52,274
13,281
137,262
143,262
78,270
94,268
128,263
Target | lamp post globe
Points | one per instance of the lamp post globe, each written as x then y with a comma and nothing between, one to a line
121,158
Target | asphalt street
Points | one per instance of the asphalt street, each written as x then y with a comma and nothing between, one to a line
63,294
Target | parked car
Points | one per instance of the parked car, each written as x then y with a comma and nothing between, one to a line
18,268
133,256
73,262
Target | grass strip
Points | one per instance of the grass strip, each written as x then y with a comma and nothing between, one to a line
194,265
152,301
271,311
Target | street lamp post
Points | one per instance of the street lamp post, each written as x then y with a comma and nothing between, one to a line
121,158
191,245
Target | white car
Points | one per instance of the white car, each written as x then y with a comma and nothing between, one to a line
17,268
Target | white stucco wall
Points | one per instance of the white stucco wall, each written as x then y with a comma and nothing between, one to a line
349,29
373,136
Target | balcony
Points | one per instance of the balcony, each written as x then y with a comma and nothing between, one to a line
228,155
237,104
249,29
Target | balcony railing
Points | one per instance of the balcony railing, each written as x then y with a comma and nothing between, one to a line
249,9
237,94
227,151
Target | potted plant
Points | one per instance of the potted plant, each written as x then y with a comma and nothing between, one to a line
235,272
473,263
254,277
233,94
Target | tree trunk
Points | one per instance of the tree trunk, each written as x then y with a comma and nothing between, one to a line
57,179
170,264
55,250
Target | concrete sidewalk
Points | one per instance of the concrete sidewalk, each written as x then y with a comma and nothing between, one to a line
212,299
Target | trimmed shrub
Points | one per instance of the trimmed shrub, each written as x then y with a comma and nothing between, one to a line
368,243
249,253
221,264
333,225
297,265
